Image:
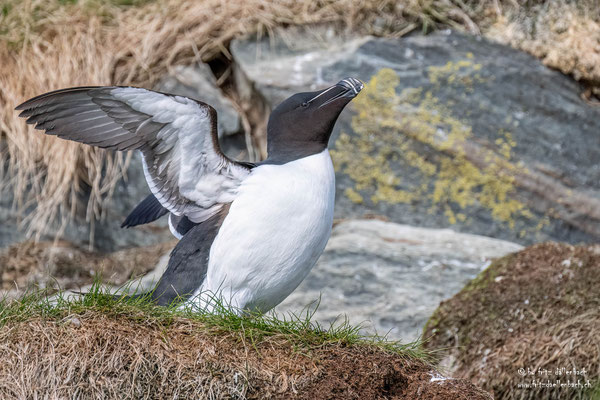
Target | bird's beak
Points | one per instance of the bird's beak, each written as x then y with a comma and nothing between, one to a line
347,89
353,84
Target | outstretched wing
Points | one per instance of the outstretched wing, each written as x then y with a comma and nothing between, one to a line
183,164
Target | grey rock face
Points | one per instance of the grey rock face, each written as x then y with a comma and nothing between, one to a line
391,276
108,234
451,131
296,60
9,229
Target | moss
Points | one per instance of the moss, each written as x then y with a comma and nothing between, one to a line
475,287
594,392
431,324
413,132
456,73
353,195
488,275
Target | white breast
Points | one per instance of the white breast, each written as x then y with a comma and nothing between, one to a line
276,229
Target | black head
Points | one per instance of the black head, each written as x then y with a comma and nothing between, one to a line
301,125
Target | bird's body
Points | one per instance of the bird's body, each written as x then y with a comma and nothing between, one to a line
249,233
275,231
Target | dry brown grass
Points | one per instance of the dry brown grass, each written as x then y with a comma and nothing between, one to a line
564,35
61,265
91,355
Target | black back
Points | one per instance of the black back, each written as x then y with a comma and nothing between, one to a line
189,261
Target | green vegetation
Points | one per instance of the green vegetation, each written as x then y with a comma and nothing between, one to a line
100,346
299,329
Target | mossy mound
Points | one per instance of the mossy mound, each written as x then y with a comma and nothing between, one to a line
99,347
528,327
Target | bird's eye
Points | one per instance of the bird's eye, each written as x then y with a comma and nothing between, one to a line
305,104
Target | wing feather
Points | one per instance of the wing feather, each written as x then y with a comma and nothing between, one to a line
183,164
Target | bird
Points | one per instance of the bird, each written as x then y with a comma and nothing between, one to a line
249,233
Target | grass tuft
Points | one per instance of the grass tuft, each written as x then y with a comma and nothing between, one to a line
536,309
105,346
297,328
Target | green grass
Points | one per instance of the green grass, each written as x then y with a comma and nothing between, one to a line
298,328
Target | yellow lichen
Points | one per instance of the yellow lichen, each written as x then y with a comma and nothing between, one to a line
390,132
353,195
460,72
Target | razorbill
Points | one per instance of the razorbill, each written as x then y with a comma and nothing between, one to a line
250,233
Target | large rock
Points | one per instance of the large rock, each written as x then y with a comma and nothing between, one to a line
391,276
451,131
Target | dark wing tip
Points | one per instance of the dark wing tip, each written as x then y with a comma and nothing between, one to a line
29,104
129,222
147,211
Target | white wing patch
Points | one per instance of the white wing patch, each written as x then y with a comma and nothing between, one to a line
204,176
183,165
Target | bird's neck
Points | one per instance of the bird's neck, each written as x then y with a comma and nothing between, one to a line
284,151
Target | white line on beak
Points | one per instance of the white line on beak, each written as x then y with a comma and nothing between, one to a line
320,94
